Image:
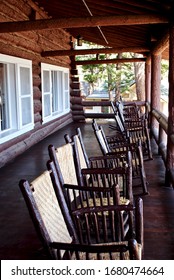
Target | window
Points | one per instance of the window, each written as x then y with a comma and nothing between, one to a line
55,91
16,97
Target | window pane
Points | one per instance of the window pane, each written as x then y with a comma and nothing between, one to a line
60,91
66,100
47,105
46,81
66,90
26,110
55,90
66,81
25,81
4,98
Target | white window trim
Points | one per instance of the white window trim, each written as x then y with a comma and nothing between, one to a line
21,129
50,67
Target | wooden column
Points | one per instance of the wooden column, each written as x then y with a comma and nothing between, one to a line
155,87
148,81
170,145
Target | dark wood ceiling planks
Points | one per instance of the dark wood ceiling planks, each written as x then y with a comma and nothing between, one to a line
142,35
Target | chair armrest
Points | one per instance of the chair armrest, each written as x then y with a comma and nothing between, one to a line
117,170
110,155
86,188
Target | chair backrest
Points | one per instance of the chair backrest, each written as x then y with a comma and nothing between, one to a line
100,136
106,171
118,117
46,214
63,159
117,143
81,148
98,173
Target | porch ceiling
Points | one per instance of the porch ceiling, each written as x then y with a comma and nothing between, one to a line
116,36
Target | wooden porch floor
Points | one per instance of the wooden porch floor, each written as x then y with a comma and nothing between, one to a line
18,239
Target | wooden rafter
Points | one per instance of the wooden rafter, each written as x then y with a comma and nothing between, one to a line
160,45
109,61
81,22
94,51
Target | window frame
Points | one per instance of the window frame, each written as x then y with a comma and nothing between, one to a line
62,91
17,127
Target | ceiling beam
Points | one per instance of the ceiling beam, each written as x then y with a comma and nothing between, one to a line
107,61
94,51
17,26
160,46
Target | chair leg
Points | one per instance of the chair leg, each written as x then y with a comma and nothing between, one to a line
142,171
148,142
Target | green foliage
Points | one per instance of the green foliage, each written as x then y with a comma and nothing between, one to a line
164,68
114,78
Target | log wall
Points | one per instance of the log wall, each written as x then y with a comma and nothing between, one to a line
75,94
30,45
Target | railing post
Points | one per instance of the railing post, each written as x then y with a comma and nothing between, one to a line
148,81
155,87
161,143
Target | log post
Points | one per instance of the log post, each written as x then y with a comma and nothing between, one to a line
170,146
155,87
148,81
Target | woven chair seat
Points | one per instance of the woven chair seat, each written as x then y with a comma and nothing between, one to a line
104,202
108,256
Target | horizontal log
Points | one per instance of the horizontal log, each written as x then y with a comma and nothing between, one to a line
93,51
37,106
96,103
37,93
75,92
107,61
77,107
138,103
75,100
74,72
27,25
37,118
75,79
75,85
99,115
161,118
79,118
76,113
36,80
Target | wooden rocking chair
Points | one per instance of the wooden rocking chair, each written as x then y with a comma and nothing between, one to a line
100,221
58,234
134,128
112,145
70,172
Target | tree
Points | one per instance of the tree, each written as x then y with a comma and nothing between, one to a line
92,73
139,68
117,78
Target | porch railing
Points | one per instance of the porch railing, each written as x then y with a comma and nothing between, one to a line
160,133
104,104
